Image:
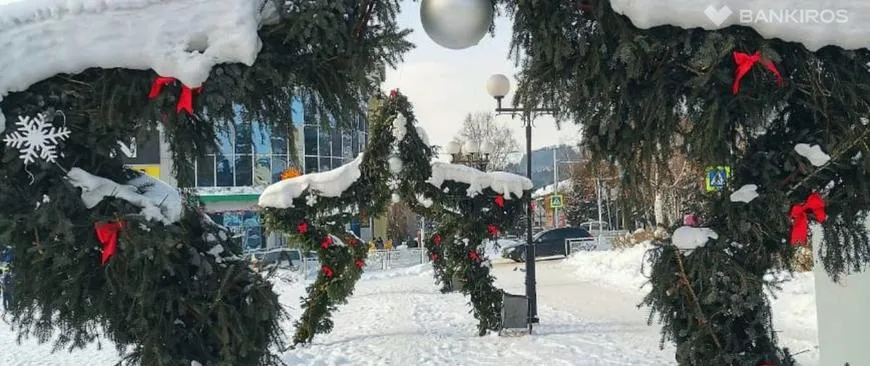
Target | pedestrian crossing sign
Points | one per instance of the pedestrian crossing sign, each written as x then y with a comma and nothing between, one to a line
556,201
716,178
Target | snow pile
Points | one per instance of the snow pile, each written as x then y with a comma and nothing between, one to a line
158,200
688,238
424,269
503,183
844,23
747,193
330,183
813,153
621,269
183,39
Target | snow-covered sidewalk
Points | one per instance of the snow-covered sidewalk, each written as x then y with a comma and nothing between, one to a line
587,306
794,308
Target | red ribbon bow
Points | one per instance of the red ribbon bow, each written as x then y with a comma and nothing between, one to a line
745,62
326,242
437,240
800,222
185,102
360,264
434,256
492,230
474,256
302,228
107,234
394,93
327,271
499,201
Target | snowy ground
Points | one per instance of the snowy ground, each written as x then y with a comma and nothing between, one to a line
587,309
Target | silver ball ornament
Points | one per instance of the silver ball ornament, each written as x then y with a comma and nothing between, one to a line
456,24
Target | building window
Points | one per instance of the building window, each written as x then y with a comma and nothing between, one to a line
248,154
253,154
328,148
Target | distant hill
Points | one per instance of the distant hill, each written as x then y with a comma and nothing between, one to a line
542,164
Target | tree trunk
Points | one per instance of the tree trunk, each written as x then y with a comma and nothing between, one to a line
659,209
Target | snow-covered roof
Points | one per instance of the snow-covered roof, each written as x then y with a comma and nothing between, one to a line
42,38
330,183
503,183
564,186
844,23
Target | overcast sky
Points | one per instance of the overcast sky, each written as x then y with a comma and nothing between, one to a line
444,85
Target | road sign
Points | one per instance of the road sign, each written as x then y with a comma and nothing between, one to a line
716,178
556,201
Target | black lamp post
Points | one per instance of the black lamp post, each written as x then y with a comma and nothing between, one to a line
498,87
470,154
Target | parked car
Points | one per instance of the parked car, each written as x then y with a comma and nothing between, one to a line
547,243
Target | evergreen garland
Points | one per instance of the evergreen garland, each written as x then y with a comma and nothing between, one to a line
645,93
176,293
465,225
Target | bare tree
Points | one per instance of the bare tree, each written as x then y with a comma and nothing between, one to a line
402,222
480,127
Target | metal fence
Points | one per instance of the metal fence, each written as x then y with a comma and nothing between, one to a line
600,240
391,259
379,260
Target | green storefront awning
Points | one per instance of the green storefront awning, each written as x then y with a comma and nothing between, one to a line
212,198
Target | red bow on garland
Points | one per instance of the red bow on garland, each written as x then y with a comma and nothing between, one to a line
499,201
302,228
327,271
474,256
800,222
492,230
394,93
107,234
437,240
745,62
326,242
185,102
360,264
434,256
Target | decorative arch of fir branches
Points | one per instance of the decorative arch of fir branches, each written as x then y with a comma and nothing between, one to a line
456,246
174,293
644,93
468,220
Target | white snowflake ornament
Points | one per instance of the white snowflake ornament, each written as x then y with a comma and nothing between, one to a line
311,199
393,184
36,138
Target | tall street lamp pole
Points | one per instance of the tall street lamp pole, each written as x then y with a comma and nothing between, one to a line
498,87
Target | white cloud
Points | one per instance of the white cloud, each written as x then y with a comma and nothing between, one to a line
444,85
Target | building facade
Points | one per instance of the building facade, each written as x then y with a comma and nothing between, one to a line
251,156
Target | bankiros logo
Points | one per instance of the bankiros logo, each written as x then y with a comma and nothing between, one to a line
795,16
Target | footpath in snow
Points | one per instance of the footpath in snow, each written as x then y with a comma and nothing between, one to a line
587,306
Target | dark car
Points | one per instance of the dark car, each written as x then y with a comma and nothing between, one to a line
547,243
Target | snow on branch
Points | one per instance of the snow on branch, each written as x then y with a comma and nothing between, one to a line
813,153
183,39
816,24
158,200
504,183
330,183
